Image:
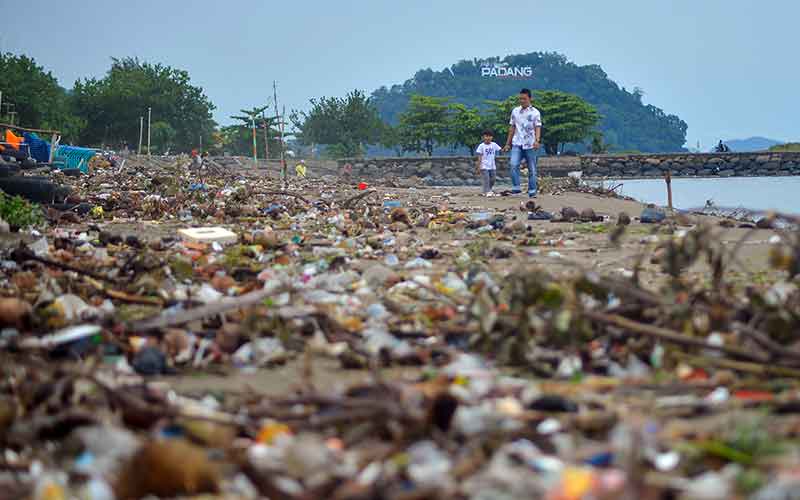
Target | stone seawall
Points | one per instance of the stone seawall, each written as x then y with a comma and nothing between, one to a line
460,170
689,165
448,171
272,167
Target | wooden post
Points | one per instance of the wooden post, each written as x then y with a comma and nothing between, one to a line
141,131
279,117
53,146
255,153
149,116
668,180
283,159
266,136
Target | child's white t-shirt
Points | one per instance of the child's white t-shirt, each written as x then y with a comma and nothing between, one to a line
488,153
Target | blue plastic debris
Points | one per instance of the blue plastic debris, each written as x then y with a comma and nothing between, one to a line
392,204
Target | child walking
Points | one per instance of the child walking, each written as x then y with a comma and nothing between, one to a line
487,151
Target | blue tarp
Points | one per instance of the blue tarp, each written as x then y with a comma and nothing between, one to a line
69,157
40,149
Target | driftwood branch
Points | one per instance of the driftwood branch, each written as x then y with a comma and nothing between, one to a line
165,320
285,193
23,254
355,199
668,335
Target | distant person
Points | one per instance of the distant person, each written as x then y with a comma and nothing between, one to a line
722,147
300,169
524,139
487,152
347,170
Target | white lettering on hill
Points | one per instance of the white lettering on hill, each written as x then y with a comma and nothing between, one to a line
506,71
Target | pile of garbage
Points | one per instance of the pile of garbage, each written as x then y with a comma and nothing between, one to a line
531,375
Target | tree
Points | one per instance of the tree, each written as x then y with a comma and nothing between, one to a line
346,124
565,118
785,148
464,126
162,136
239,137
598,145
111,106
390,138
424,124
498,115
39,101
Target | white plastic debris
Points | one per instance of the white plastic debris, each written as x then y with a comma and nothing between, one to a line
208,235
40,247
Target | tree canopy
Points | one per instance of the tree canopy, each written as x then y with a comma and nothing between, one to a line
345,124
424,124
466,126
565,118
111,106
162,137
626,121
785,148
431,122
238,138
39,101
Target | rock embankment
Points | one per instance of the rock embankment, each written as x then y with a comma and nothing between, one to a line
689,165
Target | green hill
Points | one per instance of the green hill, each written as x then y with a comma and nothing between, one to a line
627,123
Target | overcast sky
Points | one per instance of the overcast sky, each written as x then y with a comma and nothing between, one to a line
729,68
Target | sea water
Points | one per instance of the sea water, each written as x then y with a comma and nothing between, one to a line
754,194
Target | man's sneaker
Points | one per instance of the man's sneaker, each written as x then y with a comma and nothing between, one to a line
516,191
531,195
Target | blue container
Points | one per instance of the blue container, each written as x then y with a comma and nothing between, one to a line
71,157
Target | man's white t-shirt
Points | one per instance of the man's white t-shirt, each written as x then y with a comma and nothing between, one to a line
526,120
488,152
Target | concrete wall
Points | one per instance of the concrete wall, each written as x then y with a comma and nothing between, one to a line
687,165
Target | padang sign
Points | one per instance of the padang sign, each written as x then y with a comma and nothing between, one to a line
506,71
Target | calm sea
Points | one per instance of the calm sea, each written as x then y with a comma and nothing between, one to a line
756,194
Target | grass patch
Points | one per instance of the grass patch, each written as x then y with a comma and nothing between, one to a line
478,248
591,228
19,212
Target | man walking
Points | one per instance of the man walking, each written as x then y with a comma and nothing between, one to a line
524,137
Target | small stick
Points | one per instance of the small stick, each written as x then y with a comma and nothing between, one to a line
766,342
355,199
218,307
742,366
668,180
669,335
22,254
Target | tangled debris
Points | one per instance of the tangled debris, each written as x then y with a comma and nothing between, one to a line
531,370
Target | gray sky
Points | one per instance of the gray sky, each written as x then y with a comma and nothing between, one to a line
727,67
